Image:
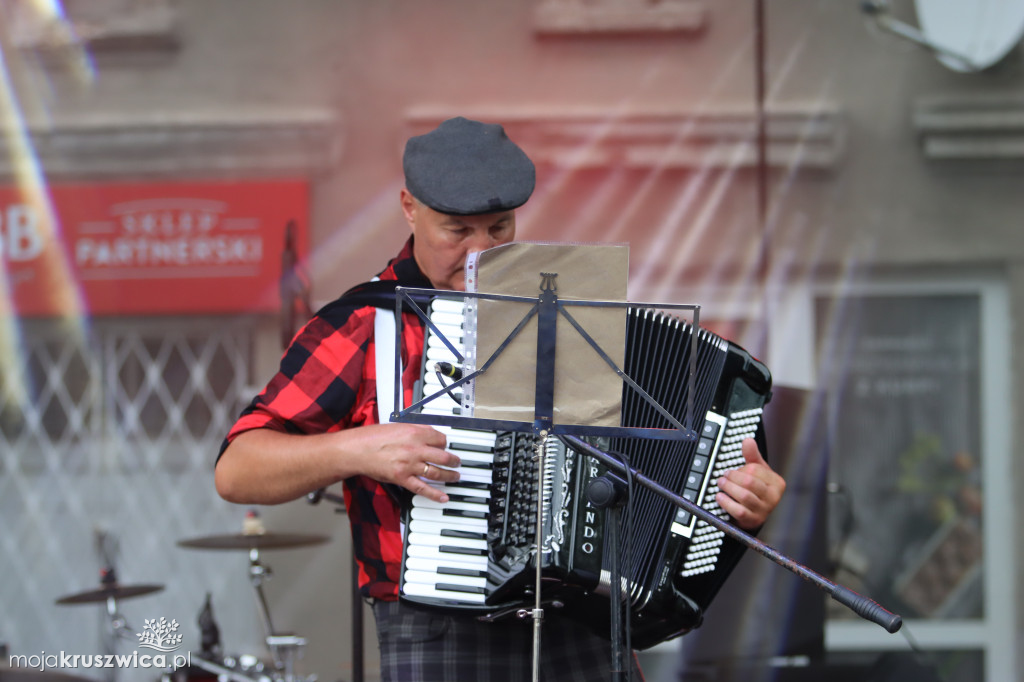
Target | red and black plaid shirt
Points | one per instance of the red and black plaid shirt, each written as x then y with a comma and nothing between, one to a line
327,382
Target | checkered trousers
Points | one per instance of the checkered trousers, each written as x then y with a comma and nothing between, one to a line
423,645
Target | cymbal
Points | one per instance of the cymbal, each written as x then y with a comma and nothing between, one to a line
15,674
249,541
104,593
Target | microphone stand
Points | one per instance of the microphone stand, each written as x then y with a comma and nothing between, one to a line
864,607
609,493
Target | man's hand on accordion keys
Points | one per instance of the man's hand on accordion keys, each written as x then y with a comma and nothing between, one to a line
750,493
409,455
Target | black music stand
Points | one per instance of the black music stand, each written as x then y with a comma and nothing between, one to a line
547,308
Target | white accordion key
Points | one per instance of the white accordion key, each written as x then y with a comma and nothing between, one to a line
433,578
418,590
452,521
448,558
431,540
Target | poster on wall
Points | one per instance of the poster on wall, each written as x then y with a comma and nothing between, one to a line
903,376
148,248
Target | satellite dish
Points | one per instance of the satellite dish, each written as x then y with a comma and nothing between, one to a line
965,35
979,32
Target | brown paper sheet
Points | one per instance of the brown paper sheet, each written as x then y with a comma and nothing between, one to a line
586,390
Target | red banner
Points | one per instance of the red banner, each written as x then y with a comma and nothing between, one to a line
156,248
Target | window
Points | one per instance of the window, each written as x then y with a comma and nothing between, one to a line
913,372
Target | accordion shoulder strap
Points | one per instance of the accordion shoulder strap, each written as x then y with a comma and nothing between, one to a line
381,295
384,350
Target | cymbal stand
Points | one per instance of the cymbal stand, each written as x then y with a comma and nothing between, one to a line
117,629
118,624
284,647
258,573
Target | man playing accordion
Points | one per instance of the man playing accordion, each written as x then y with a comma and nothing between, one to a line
316,423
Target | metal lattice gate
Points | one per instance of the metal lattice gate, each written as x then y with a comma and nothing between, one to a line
113,431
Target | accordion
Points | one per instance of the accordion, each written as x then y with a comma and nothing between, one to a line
477,552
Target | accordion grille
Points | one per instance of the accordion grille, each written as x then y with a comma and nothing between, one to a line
658,348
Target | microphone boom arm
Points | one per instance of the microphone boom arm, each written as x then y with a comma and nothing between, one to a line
863,606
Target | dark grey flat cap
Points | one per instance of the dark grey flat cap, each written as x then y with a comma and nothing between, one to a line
466,167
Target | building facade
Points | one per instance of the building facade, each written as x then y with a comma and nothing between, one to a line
837,199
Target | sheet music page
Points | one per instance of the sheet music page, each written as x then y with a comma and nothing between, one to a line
587,390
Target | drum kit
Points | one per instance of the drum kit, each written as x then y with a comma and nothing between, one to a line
284,648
